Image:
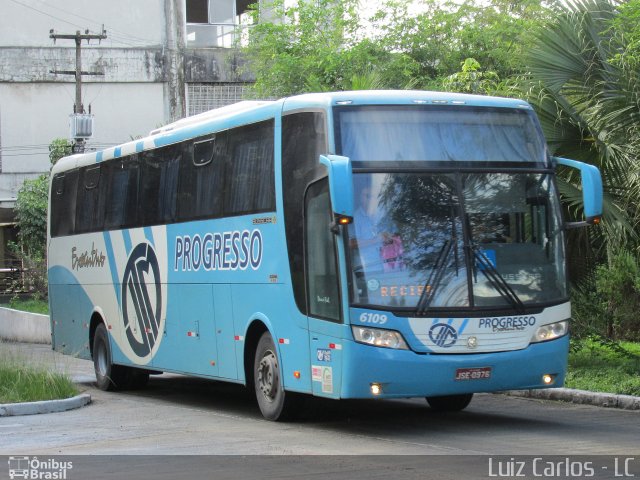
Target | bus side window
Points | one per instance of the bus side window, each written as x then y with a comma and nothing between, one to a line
63,203
249,176
122,194
322,277
159,182
89,215
200,182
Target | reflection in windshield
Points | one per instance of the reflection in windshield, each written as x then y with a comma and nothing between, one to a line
439,133
424,241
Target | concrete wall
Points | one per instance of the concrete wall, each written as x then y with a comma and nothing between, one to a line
145,63
33,114
21,326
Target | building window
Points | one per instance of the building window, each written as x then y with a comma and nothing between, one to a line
213,23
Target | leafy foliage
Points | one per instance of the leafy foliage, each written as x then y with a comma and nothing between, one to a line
31,215
327,45
608,308
58,148
471,79
600,365
588,100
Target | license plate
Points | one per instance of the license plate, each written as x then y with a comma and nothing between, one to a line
476,373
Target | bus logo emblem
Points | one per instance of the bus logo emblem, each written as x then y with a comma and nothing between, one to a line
142,299
443,335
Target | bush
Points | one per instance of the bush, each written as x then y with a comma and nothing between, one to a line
608,305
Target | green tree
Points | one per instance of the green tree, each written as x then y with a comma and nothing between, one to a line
438,37
472,79
327,45
588,100
58,148
31,215
31,218
314,47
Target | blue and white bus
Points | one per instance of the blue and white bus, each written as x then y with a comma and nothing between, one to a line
343,245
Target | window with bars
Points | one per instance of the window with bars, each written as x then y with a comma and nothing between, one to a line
202,97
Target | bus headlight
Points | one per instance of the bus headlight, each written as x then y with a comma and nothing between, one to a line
379,337
550,331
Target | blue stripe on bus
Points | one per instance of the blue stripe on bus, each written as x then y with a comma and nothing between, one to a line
112,263
148,233
126,236
139,147
117,152
99,156
463,326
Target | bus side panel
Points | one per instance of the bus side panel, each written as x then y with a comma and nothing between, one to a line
270,303
226,333
189,343
70,312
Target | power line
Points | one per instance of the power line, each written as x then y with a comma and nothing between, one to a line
126,39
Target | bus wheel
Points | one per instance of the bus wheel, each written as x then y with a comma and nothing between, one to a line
274,402
108,376
450,403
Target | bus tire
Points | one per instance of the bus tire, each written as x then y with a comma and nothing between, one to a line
275,403
109,377
450,403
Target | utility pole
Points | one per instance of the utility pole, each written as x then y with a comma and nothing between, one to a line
79,117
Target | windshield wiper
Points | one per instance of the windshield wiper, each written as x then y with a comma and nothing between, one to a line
435,277
495,279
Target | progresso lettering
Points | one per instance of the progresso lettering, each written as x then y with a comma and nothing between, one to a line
506,324
219,251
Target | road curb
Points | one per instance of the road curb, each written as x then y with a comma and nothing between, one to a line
46,406
583,397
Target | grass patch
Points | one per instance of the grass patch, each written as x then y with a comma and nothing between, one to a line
605,368
30,305
20,382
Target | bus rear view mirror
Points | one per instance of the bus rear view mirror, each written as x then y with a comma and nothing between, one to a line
340,186
591,191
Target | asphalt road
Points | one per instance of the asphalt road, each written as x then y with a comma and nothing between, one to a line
176,415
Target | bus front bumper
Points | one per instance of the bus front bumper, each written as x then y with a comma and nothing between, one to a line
404,373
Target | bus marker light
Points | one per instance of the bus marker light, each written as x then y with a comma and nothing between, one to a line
296,375
213,364
238,338
283,341
547,379
376,388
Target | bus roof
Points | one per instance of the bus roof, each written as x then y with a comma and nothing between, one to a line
254,111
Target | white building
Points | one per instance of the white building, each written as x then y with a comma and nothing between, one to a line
161,60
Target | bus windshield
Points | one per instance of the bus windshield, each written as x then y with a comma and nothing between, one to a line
439,133
420,241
